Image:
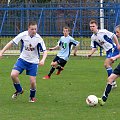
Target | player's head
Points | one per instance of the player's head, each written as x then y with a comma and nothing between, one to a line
66,31
32,28
117,30
93,26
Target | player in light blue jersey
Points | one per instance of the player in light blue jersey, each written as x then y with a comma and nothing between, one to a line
62,57
106,40
32,45
113,76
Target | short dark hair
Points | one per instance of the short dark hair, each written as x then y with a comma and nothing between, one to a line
93,21
118,26
66,27
32,23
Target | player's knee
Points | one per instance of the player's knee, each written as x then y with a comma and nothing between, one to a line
14,75
110,80
107,65
33,84
54,64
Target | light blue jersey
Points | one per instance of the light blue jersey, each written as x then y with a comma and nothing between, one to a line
65,44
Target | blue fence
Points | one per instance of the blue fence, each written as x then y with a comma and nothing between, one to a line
52,17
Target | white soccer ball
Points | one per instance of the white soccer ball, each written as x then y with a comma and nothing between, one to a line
92,100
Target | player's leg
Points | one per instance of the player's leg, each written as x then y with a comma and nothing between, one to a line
111,78
108,88
16,83
114,53
60,67
14,75
31,70
53,66
32,88
108,65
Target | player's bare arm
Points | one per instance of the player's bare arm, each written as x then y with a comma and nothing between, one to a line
91,52
42,61
116,42
8,45
115,57
75,50
53,48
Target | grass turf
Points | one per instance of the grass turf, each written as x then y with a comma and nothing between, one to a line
62,97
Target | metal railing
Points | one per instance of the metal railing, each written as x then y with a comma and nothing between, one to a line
52,17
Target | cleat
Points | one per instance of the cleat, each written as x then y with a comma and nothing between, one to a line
59,71
114,84
16,94
100,101
32,100
46,77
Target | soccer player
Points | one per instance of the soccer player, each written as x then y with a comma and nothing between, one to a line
113,76
62,57
104,39
31,45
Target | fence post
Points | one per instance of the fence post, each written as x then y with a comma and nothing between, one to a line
3,21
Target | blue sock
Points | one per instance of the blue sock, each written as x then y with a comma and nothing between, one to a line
109,71
18,87
106,92
32,93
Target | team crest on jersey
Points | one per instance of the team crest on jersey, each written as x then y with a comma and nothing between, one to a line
64,45
101,42
29,48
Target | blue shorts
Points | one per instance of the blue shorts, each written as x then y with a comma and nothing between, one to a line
111,53
21,65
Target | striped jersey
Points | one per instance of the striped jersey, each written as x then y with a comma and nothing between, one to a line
103,38
30,46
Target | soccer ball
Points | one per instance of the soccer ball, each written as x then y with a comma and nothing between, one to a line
92,100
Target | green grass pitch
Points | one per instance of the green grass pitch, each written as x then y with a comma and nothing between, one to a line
62,97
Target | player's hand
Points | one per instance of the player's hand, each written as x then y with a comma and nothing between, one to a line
112,59
74,54
41,63
50,49
88,56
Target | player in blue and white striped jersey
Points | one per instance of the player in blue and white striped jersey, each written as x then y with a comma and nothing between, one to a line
65,43
31,46
113,76
106,40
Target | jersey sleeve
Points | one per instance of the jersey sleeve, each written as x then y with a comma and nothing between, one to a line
17,38
59,42
74,42
41,45
109,34
94,44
